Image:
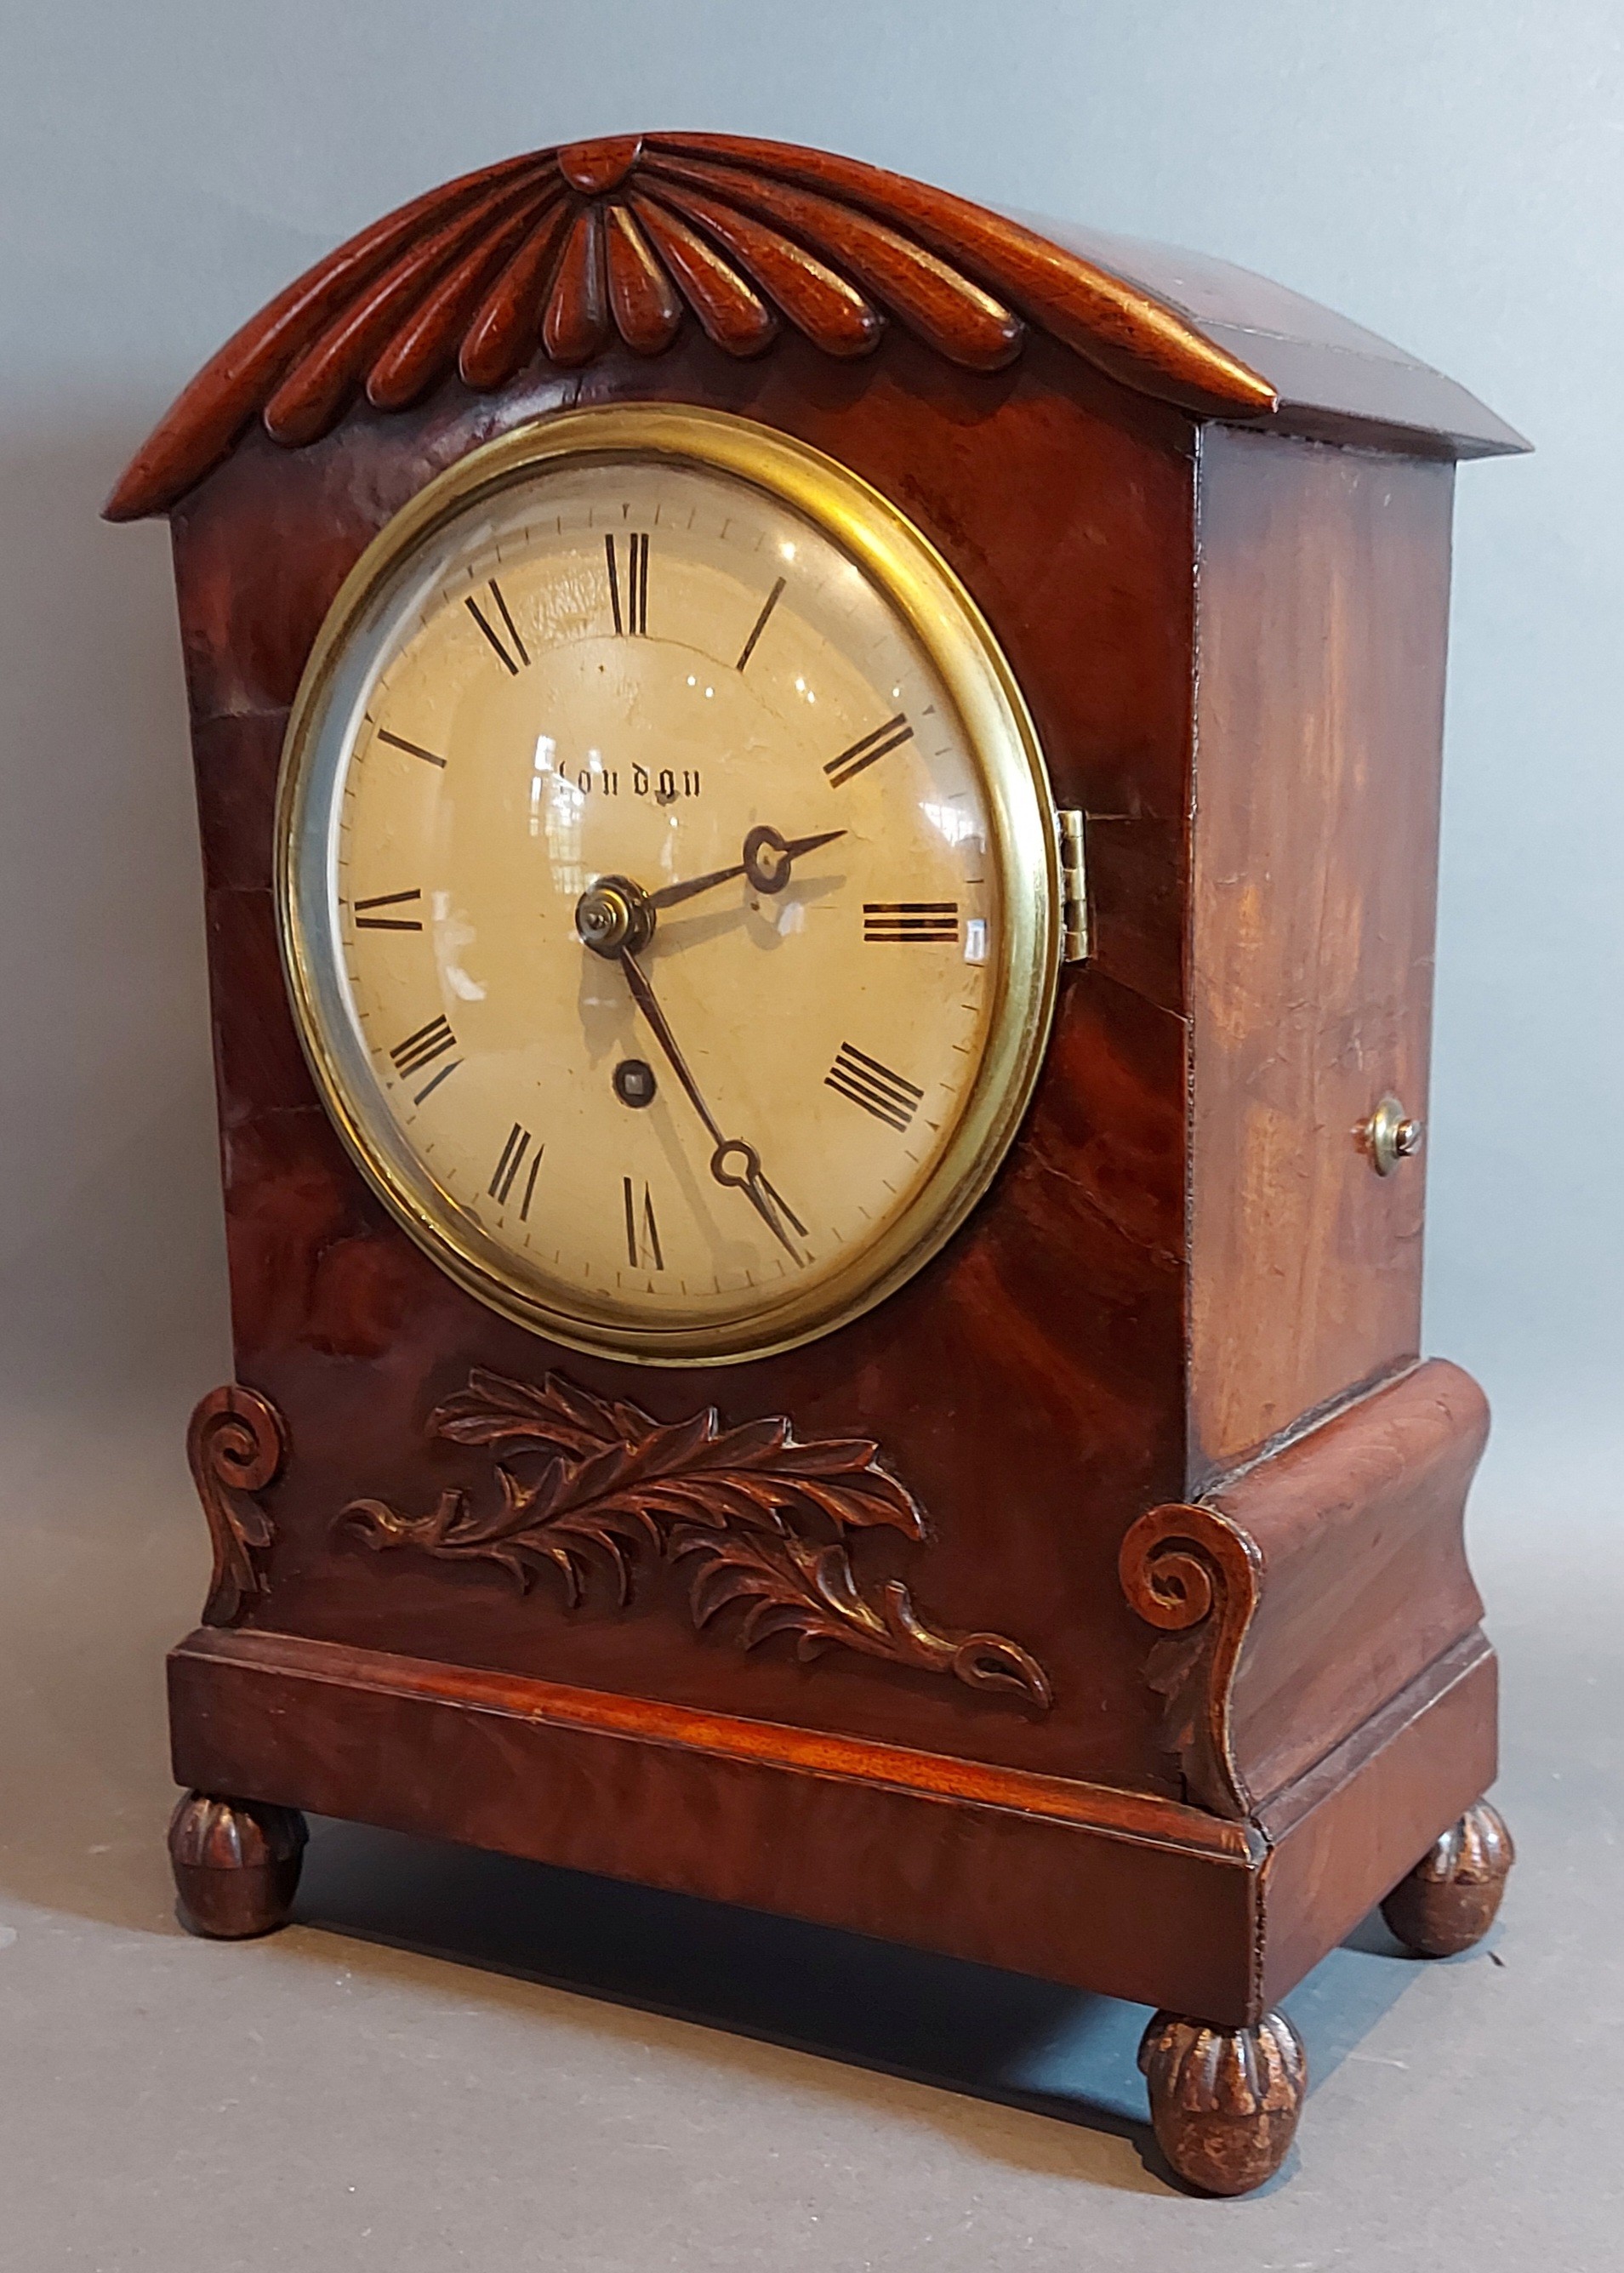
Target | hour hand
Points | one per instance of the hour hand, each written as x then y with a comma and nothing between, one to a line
768,860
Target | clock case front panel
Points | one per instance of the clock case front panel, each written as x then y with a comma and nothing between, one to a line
1029,1385
1231,640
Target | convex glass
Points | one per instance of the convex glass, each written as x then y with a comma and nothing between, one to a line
667,884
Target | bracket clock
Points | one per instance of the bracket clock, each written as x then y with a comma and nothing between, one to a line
819,811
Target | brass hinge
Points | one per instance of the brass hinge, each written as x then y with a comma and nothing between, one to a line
1073,886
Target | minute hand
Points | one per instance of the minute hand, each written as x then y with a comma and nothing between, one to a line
644,995
767,860
751,1183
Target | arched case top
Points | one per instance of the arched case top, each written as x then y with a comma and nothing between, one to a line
567,254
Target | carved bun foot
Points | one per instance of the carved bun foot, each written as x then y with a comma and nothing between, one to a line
1450,1899
236,1864
1224,2101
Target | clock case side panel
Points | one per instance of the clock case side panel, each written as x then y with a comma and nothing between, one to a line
1329,1466
1028,1384
1322,635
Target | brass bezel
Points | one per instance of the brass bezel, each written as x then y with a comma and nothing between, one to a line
941,616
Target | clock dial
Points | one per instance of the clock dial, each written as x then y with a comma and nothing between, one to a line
654,905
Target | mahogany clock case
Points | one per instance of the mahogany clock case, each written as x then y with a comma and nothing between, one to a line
1166,1662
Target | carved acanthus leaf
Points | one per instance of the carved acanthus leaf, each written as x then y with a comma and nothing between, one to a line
762,1518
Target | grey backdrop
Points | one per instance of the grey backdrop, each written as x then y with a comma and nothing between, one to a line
1449,172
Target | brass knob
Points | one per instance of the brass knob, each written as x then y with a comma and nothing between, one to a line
1391,1135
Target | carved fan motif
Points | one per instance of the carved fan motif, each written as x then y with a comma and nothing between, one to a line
762,1519
567,253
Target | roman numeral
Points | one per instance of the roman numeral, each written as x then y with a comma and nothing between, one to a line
628,593
873,1086
501,606
872,747
421,1049
512,1161
921,920
772,599
365,922
412,749
642,1239
429,1042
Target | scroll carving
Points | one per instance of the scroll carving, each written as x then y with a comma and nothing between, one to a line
236,1444
761,1521
568,252
1194,1574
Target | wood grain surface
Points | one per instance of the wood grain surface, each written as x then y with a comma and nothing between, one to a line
1312,1588
1103,1889
1321,641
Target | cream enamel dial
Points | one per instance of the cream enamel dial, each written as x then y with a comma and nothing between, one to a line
667,882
